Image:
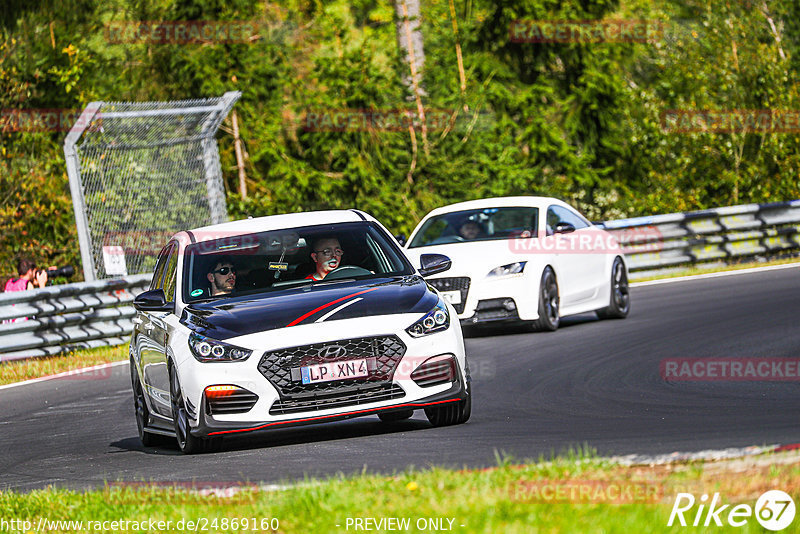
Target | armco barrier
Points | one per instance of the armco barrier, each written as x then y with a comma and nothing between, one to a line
90,314
663,243
66,317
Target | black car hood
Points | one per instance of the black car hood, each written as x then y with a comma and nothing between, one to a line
247,314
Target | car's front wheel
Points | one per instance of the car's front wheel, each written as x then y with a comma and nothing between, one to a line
187,443
452,413
549,315
620,302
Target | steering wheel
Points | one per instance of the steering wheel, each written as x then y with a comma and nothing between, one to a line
346,271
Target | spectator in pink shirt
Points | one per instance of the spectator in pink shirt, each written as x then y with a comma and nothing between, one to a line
29,277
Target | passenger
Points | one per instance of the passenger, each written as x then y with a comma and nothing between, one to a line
327,255
222,276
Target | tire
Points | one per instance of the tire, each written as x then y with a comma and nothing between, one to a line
392,417
187,443
620,300
140,409
549,317
453,413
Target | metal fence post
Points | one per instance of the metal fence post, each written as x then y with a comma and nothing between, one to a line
140,171
74,174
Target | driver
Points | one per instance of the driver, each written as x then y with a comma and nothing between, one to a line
222,276
470,230
326,252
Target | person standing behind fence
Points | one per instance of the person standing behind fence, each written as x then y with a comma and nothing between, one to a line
29,277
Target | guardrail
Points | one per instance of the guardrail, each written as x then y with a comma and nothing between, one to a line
91,314
67,317
665,243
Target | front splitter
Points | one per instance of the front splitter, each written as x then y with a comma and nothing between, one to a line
211,428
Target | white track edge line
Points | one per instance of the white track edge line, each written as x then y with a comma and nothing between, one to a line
64,374
715,275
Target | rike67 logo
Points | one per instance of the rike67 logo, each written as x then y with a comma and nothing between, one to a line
774,511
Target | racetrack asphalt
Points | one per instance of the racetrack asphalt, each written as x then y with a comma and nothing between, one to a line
595,383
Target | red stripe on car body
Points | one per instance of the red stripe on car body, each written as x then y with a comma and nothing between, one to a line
412,404
331,303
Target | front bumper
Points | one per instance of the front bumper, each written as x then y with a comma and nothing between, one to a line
277,405
482,298
491,311
211,428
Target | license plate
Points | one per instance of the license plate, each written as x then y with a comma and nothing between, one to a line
453,297
327,372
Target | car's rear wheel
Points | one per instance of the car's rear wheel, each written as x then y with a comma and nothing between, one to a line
140,409
187,443
620,301
549,317
391,417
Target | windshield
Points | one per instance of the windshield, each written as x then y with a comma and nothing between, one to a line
477,225
268,261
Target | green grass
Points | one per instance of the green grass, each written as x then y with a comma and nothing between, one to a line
480,500
19,370
689,271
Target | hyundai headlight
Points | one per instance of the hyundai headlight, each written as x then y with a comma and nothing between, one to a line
205,349
506,270
436,320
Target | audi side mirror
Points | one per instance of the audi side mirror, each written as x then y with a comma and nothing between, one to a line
564,228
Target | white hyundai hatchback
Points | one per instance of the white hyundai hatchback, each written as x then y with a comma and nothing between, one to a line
523,259
239,332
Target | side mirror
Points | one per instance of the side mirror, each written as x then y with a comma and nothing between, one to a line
154,301
433,264
564,228
401,238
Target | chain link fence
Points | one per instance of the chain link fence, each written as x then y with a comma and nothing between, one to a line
140,171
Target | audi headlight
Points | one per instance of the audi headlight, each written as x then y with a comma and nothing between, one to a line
205,349
506,270
436,320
